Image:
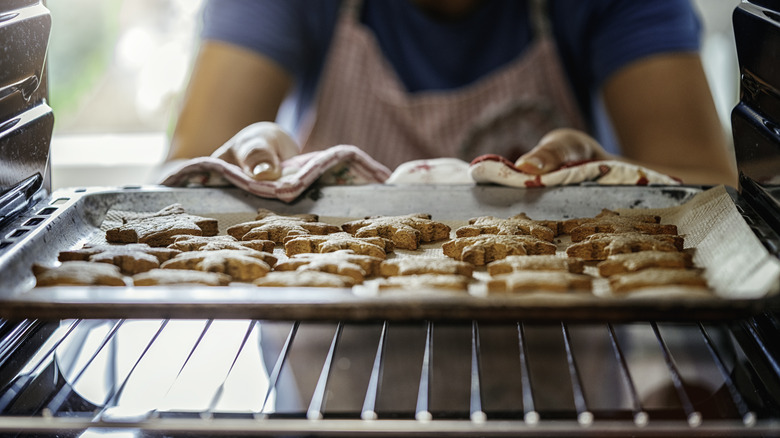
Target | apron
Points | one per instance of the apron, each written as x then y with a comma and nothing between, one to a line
361,101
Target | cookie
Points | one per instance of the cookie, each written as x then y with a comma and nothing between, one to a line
421,282
372,246
536,281
78,273
160,228
166,277
213,243
516,225
601,246
620,263
132,258
342,262
304,279
241,265
612,222
275,227
406,232
485,248
548,262
425,265
568,225
651,277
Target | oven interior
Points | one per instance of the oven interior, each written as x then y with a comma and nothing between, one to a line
275,377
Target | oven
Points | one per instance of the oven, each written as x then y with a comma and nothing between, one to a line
237,361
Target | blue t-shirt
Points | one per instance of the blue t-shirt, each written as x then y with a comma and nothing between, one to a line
595,38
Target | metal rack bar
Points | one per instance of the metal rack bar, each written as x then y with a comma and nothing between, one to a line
154,412
476,413
584,416
273,379
56,402
762,345
317,403
693,417
16,335
368,412
748,416
20,384
530,416
422,410
220,390
77,411
113,396
640,416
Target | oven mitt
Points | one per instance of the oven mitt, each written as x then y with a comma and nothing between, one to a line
431,171
498,170
338,165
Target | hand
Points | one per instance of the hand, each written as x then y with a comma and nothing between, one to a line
559,147
259,150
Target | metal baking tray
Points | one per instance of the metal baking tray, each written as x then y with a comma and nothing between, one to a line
69,218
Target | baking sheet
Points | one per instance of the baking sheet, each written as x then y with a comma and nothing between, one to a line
741,272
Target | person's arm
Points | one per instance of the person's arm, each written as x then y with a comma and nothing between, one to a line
229,89
664,118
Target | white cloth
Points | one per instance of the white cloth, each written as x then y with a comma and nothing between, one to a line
498,170
342,164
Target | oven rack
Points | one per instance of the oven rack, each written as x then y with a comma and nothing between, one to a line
250,377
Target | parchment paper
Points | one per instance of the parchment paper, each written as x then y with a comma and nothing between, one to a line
737,266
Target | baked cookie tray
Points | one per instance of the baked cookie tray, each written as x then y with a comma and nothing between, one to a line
743,279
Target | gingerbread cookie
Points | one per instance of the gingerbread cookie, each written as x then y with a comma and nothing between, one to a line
78,273
421,282
601,246
213,243
516,225
275,227
568,225
304,279
241,265
612,222
406,232
536,281
372,246
425,265
654,277
165,277
342,262
485,248
620,263
131,258
160,228
546,262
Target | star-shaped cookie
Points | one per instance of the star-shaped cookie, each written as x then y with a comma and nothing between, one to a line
373,246
342,262
425,265
78,273
212,243
485,248
516,225
241,265
160,228
406,232
131,258
601,246
534,281
275,227
546,262
304,279
609,221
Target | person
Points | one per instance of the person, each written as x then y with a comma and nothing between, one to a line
540,82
